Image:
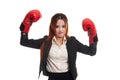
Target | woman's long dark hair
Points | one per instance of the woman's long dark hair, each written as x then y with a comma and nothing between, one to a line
52,28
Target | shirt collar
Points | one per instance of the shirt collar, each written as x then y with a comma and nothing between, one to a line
64,39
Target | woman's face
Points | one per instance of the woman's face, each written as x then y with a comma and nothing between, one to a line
60,29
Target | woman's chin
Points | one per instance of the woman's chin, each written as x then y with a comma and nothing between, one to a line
60,36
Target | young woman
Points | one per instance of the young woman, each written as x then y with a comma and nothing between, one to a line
58,50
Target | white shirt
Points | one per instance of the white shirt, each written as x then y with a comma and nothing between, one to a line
57,60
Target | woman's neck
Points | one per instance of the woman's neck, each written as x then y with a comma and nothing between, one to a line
59,40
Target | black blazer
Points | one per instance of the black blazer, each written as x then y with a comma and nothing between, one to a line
73,46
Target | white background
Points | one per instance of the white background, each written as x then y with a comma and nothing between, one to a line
22,63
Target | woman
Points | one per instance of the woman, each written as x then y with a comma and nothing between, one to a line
58,50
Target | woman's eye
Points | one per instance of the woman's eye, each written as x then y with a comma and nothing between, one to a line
57,26
63,26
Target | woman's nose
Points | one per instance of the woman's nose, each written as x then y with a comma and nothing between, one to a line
59,27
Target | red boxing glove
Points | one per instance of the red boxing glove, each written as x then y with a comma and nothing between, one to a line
31,16
89,26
